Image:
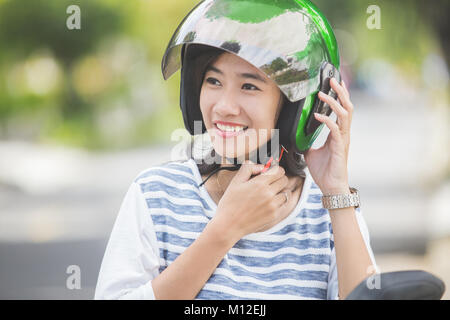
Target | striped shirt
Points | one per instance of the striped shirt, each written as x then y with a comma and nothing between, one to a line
164,211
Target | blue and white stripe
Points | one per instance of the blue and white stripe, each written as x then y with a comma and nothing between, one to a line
289,261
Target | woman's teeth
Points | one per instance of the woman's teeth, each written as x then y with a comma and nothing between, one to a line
230,128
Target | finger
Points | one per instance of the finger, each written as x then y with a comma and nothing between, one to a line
246,170
338,88
342,114
334,128
279,184
267,165
280,198
273,174
343,95
336,106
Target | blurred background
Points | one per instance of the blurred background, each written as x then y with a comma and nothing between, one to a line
83,111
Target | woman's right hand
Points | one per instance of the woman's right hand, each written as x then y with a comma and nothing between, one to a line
252,204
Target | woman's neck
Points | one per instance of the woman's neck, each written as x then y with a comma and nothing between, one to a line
217,189
218,184
224,177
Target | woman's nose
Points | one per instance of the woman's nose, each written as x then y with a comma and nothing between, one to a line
227,104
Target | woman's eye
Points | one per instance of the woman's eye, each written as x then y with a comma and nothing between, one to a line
212,81
249,86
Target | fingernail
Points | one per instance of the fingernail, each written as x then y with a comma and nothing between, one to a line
267,166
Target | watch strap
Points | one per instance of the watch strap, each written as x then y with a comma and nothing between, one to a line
339,201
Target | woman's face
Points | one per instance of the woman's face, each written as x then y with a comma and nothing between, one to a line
240,106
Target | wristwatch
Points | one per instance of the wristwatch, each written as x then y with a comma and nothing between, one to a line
339,201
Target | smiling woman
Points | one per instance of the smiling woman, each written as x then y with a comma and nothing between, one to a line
213,71
252,232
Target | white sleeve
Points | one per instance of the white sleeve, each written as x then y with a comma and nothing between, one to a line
333,288
131,258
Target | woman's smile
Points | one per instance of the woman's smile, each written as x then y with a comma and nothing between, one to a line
227,131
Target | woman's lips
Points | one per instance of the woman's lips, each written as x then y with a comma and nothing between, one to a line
225,134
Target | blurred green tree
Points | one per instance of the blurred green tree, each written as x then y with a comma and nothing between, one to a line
73,86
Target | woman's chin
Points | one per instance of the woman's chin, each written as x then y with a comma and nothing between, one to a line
230,155
240,155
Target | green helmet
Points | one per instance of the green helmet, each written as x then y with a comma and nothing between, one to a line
289,40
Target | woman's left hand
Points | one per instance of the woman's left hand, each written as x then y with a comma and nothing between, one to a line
328,164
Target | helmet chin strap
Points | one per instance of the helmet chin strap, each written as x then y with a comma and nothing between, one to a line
236,162
255,154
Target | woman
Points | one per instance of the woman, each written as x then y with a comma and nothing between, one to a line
251,231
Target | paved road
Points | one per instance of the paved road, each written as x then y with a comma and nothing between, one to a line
39,270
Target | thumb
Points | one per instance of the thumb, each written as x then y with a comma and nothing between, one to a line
247,169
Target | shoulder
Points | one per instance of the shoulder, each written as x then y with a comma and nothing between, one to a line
171,186
180,171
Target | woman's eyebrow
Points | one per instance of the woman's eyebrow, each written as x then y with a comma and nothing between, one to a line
242,75
253,76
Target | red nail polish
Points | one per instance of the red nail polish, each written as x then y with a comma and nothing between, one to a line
266,167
